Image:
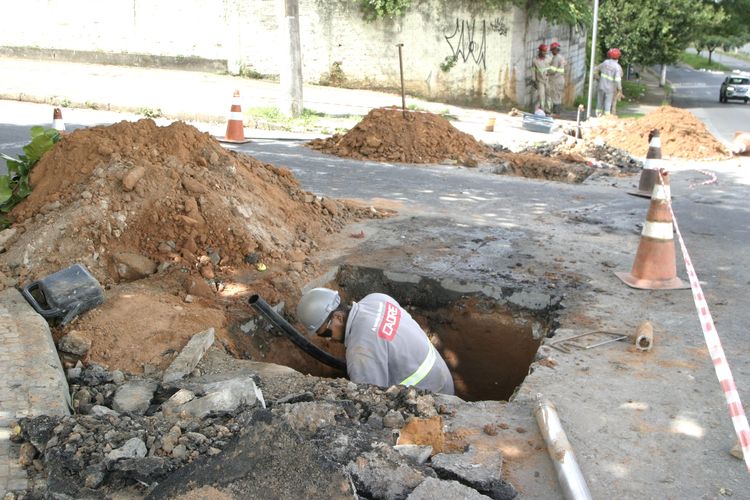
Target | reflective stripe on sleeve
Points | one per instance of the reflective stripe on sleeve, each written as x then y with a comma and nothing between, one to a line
423,369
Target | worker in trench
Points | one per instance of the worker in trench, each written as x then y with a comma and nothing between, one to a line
384,345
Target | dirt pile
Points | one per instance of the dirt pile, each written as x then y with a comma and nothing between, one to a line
387,134
173,225
682,135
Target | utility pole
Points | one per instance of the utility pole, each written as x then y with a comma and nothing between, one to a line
290,74
593,58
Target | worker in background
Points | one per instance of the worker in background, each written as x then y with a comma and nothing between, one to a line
541,78
556,79
610,82
384,345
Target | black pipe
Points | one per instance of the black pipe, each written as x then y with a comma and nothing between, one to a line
279,322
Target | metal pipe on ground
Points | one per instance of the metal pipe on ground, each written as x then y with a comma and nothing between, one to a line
568,472
299,340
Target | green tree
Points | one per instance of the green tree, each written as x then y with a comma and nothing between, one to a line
650,32
737,25
711,30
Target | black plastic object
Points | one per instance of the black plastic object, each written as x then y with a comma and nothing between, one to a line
316,352
64,294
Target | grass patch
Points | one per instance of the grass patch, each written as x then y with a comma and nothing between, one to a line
737,55
444,113
633,91
700,62
626,113
308,120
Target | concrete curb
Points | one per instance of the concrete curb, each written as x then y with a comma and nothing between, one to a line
33,382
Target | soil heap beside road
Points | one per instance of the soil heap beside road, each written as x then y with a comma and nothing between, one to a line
389,134
178,229
682,135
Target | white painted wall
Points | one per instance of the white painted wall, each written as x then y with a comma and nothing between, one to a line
494,48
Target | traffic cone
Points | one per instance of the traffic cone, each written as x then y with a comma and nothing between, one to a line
57,120
655,267
741,143
235,129
650,171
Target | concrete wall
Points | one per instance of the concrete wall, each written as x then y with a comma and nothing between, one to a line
491,49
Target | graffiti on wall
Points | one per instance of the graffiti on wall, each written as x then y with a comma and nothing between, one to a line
469,41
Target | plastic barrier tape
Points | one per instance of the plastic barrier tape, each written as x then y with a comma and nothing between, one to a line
723,373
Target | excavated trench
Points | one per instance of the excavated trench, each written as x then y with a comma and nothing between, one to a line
487,338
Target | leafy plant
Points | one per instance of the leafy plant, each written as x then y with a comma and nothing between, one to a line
577,12
15,186
378,9
150,112
448,63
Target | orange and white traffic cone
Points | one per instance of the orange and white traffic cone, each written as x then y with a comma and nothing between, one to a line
235,129
650,171
655,266
57,120
741,143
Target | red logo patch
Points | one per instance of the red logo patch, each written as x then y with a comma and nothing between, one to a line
389,324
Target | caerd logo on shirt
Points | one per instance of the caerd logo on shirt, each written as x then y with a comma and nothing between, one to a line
389,324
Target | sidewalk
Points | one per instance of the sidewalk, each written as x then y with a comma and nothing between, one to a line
206,98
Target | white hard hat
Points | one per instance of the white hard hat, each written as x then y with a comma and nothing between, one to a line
315,306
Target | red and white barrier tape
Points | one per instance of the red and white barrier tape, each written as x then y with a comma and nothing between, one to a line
712,179
723,373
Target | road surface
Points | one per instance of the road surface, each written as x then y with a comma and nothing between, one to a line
698,92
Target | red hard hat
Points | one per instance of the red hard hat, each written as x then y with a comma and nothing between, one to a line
554,45
614,53
542,48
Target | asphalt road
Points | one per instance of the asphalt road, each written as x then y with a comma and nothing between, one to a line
698,91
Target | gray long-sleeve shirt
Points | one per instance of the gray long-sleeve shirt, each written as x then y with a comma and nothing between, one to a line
610,76
385,347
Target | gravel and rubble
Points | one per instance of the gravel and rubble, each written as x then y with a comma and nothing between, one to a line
341,435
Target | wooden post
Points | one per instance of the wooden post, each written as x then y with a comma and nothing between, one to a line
290,74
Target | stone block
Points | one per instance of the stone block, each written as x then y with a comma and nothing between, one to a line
190,356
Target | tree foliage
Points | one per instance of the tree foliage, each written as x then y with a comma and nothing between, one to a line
577,12
736,28
711,31
378,9
649,31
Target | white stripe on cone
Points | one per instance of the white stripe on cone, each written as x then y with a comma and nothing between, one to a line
657,230
655,142
58,125
653,163
661,192
235,115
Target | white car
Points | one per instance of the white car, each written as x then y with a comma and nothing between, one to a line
735,87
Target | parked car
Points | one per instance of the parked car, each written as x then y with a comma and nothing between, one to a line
735,87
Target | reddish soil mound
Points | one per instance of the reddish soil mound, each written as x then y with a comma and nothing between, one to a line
170,210
682,135
387,134
171,194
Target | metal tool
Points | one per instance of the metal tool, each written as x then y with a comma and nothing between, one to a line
565,344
